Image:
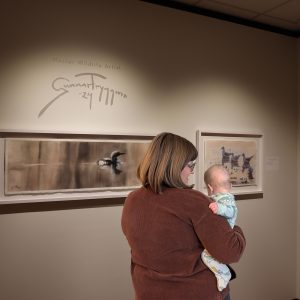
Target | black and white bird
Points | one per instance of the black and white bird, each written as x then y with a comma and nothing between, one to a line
112,161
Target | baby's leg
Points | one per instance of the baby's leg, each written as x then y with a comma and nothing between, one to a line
220,270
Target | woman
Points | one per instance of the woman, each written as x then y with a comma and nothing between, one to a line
168,225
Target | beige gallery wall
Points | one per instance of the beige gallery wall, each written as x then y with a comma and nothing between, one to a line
180,72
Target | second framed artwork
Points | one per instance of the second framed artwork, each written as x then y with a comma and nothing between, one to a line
240,154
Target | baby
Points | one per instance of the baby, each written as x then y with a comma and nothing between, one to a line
218,184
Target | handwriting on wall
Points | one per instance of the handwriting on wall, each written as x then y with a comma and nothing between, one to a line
88,86
85,62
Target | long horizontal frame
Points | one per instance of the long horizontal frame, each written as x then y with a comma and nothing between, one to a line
98,197
243,193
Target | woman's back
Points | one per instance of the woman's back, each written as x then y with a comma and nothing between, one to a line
165,232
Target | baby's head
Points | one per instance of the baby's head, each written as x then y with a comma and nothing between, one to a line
217,180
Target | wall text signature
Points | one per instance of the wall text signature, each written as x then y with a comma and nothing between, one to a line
88,86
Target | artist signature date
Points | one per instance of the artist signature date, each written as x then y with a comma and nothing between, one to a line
89,86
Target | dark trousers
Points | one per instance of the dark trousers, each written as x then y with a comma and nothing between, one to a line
227,297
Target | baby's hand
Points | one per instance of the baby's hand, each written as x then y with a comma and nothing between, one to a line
214,207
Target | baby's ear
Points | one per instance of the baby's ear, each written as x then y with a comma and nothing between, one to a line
210,189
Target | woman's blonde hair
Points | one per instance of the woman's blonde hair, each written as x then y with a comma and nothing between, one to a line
164,160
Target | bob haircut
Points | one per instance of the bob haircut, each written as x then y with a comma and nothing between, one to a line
164,160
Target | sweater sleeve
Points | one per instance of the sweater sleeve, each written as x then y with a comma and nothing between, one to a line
221,241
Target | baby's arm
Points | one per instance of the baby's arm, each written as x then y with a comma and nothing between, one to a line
223,210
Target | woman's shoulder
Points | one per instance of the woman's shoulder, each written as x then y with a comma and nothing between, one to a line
174,194
190,204
187,192
190,195
136,193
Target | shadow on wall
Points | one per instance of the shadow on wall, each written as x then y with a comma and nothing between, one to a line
39,25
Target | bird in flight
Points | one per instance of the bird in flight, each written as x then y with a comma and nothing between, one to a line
112,161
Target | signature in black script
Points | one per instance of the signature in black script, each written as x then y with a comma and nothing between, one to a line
88,90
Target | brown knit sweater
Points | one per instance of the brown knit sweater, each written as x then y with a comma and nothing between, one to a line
167,233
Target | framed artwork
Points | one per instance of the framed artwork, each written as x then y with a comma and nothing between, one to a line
240,154
51,167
